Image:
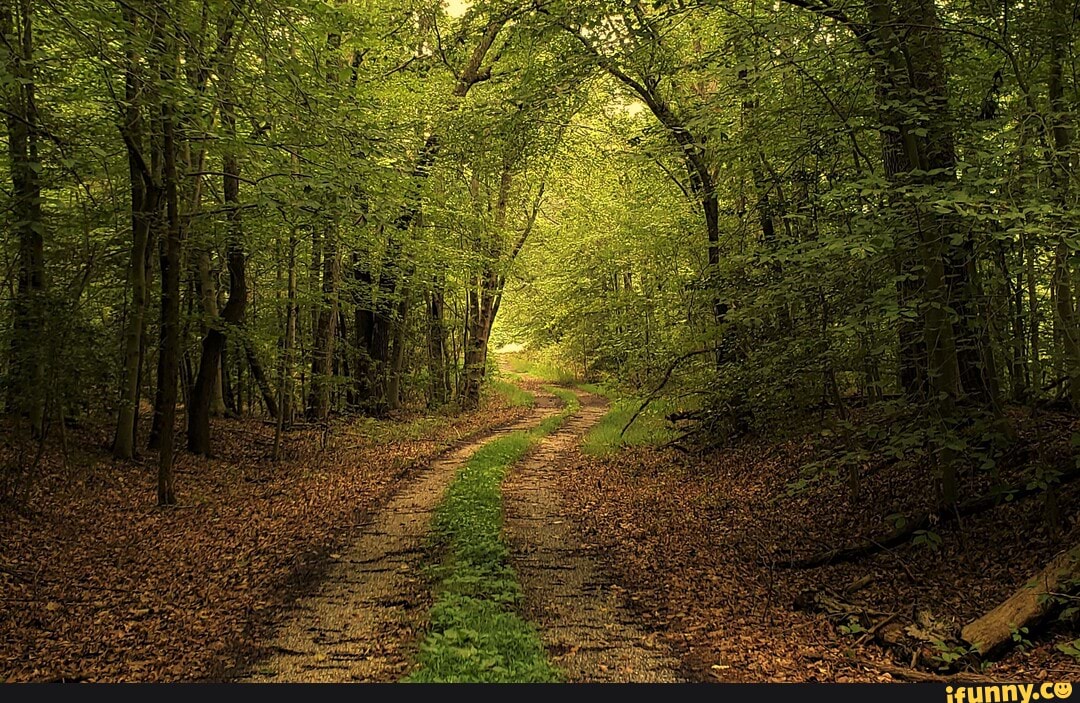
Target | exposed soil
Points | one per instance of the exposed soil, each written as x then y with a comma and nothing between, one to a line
589,632
362,622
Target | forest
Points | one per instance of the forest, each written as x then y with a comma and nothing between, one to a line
540,341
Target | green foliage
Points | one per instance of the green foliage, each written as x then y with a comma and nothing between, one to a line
476,635
549,371
927,538
650,428
897,433
1020,638
571,405
1071,648
561,183
514,395
1044,478
597,389
387,431
852,626
947,654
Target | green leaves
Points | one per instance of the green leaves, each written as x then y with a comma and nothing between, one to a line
927,538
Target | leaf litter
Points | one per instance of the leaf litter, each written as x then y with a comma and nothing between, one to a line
98,584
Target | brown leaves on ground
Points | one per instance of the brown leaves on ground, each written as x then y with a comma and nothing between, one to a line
697,542
98,584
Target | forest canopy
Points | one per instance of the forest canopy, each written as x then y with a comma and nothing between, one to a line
303,209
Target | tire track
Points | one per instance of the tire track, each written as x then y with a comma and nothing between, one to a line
589,632
362,622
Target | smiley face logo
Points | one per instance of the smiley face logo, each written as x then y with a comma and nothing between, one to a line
1063,690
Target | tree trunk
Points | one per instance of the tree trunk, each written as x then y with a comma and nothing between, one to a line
1026,606
1065,315
228,392
325,333
397,356
1013,332
383,325
475,346
976,367
27,384
145,204
484,291
364,330
232,316
288,344
911,348
156,422
208,298
439,388
909,70
258,373
1034,321
292,312
170,285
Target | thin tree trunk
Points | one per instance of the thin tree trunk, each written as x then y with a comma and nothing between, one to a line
363,331
397,356
157,422
439,390
208,298
1034,322
145,202
26,396
383,319
258,373
170,286
286,381
325,333
232,315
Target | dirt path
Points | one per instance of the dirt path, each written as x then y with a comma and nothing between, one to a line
362,621
589,633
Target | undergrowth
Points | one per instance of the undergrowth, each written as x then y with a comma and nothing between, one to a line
651,427
515,396
380,431
544,370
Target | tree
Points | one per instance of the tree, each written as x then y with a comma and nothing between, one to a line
26,392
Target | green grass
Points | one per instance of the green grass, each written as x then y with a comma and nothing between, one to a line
476,633
569,399
597,389
515,396
384,431
650,428
544,370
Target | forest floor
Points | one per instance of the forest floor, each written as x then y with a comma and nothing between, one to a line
646,565
699,544
99,584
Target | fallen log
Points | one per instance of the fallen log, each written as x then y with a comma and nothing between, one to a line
1027,606
906,531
